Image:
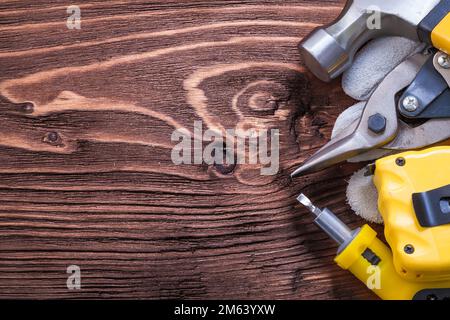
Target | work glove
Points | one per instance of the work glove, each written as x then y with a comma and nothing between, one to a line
371,65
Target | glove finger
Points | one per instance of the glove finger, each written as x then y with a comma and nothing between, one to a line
371,65
362,196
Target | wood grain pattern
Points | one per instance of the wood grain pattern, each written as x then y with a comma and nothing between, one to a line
85,171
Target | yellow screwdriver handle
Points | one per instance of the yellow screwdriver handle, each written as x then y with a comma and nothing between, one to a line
381,278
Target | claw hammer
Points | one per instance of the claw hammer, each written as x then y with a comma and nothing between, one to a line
329,51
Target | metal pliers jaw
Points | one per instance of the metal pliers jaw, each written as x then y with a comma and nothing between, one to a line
381,125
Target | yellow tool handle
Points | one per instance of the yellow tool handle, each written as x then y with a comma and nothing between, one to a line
382,278
435,28
440,36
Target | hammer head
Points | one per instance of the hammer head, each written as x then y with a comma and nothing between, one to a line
329,51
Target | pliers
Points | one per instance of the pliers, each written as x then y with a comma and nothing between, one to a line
410,109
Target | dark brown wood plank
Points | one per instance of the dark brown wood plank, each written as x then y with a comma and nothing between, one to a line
86,176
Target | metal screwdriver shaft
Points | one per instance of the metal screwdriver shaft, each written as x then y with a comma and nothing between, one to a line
328,222
308,204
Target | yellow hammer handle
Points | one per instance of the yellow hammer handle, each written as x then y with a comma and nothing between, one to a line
440,36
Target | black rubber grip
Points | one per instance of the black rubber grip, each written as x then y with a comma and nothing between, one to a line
371,257
430,22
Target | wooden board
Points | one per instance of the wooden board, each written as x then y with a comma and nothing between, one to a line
86,176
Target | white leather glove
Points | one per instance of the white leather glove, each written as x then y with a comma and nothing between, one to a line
378,58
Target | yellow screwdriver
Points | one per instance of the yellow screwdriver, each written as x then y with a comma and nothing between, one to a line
370,260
